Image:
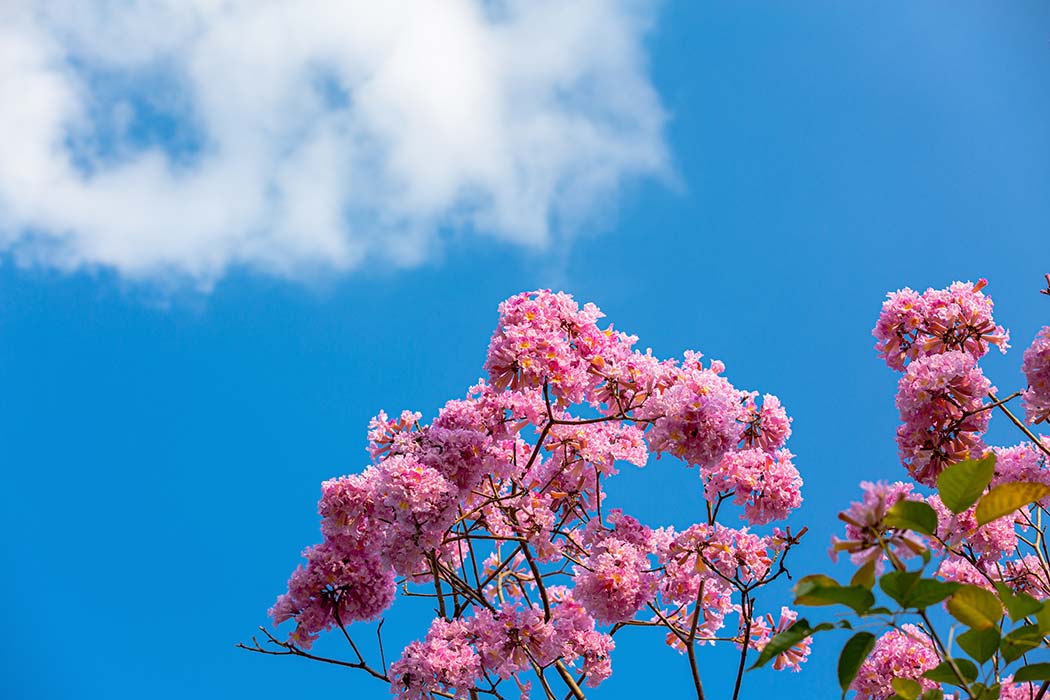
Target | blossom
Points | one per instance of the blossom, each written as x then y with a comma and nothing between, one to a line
940,401
347,508
956,569
386,435
768,426
958,318
865,527
615,580
899,327
418,504
767,485
444,661
1027,575
509,638
1036,370
714,605
1023,462
714,553
990,541
504,491
581,644
899,653
764,629
546,339
1017,691
699,417
338,585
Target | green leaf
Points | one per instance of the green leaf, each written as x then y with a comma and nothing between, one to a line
1018,605
787,639
853,654
912,591
1032,672
878,611
823,590
981,645
1042,618
1021,641
975,607
934,694
945,674
865,576
960,485
928,591
912,515
896,584
982,692
906,688
1005,499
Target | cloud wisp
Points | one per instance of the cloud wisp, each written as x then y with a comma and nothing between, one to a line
178,138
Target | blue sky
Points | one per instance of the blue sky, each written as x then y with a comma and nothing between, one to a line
167,417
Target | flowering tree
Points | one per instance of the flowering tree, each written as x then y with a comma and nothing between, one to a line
979,538
496,512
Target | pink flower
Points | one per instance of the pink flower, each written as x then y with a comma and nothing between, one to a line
445,661
699,417
767,485
762,630
393,436
338,584
615,581
940,320
1023,462
865,525
900,653
716,603
959,570
990,541
960,318
582,645
939,399
899,327
768,427
1017,691
714,553
1036,370
545,338
1027,575
509,638
417,504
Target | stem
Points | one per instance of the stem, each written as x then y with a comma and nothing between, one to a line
691,645
573,686
746,611
539,582
1021,426
947,656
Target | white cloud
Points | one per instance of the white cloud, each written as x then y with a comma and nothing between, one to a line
176,138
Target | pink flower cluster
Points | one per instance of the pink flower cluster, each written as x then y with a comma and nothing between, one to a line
615,579
486,506
456,655
940,399
899,653
767,485
914,325
1036,370
936,339
764,629
988,542
865,526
